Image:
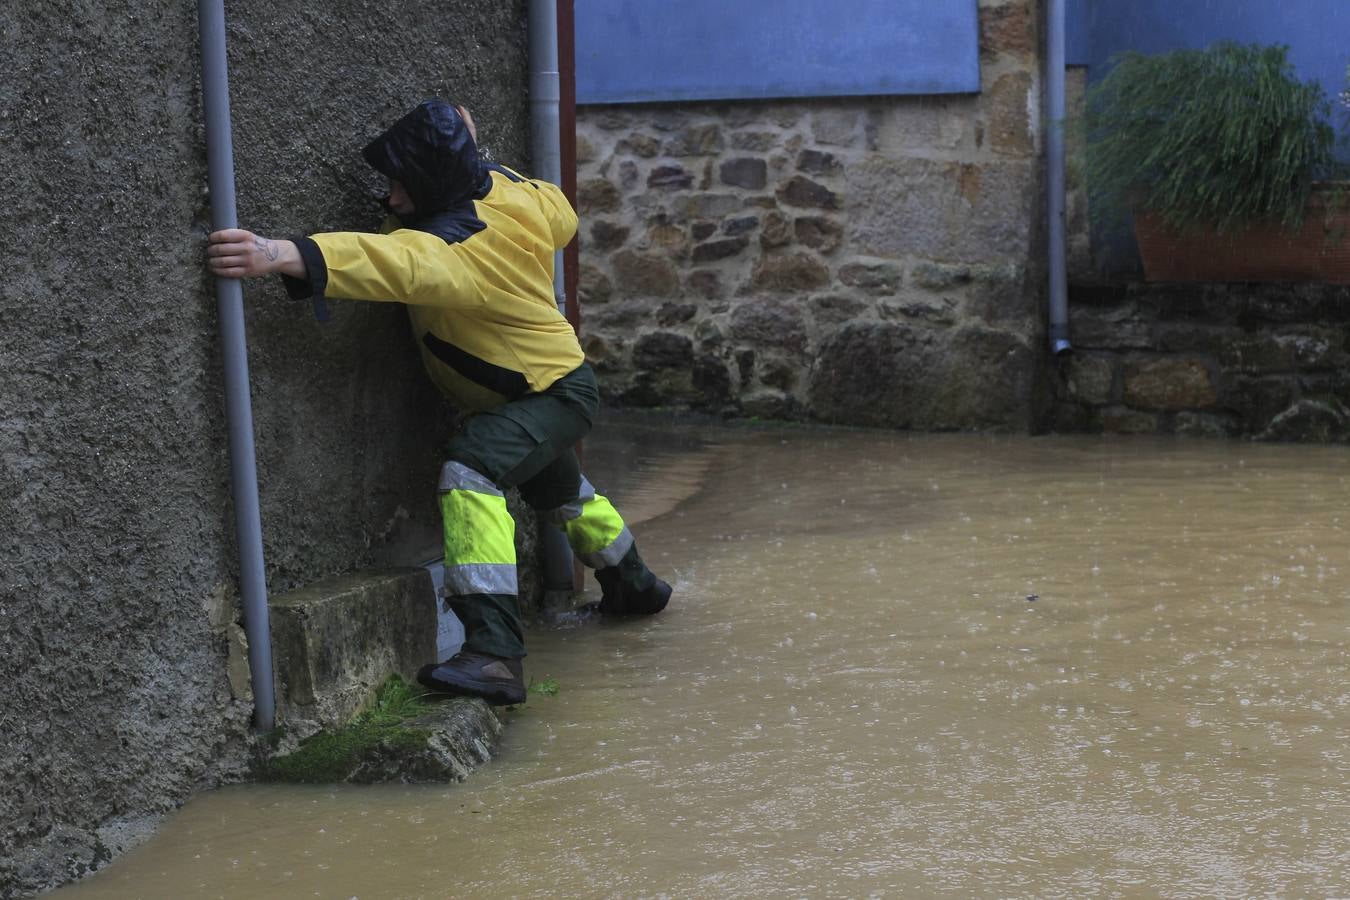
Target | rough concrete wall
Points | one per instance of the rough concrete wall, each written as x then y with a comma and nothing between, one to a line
117,569
869,261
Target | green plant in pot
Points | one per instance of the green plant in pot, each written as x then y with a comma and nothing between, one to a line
1221,155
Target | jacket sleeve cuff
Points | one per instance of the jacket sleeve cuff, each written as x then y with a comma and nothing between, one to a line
315,281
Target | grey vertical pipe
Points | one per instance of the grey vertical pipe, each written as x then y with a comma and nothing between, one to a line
546,162
545,97
1054,154
239,413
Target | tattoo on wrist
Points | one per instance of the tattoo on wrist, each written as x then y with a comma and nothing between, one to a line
267,248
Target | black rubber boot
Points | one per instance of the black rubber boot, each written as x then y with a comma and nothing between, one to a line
497,679
630,588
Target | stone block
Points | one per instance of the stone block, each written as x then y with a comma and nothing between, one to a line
1007,115
644,274
1110,327
670,178
777,372
593,285
764,324
818,162
1207,424
668,314
1007,29
660,387
771,405
598,195
818,233
789,273
702,230
897,374
585,150
1257,399
1121,420
778,231
834,309
745,364
835,125
940,210
740,225
1286,350
599,352
1169,383
705,283
668,118
705,206
754,141
696,140
606,235
744,172
671,239
711,382
663,350
710,251
876,278
336,641
638,144
709,334
609,118
921,309
802,191
628,175
1310,420
921,123
1092,378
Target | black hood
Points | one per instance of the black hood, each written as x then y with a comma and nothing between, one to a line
431,152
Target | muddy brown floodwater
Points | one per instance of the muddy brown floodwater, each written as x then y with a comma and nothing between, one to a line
895,665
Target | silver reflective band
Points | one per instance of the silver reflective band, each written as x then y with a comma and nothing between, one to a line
611,555
459,477
480,578
569,511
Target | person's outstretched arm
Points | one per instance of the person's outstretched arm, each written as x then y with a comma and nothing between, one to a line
403,267
236,253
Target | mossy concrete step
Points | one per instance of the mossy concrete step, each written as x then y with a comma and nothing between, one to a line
336,641
444,743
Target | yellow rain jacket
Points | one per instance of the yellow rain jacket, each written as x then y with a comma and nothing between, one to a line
474,266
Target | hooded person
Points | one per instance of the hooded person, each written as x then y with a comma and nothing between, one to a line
469,248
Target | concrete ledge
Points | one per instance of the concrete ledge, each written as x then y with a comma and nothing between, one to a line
336,641
443,743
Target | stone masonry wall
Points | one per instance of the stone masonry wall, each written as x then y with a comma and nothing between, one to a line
869,261
1216,360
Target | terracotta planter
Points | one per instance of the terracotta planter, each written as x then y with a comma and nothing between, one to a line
1319,252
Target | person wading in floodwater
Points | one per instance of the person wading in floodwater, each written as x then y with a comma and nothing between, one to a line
469,248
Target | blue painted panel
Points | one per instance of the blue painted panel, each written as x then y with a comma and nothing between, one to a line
641,50
1315,31
1078,36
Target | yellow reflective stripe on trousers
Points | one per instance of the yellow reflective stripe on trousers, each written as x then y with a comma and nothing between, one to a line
598,536
480,542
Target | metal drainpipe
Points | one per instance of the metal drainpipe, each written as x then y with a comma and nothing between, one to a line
1059,290
546,161
234,349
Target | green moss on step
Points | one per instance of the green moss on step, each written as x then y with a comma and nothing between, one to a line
331,756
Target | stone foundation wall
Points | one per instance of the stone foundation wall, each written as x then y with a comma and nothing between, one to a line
1223,360
867,261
